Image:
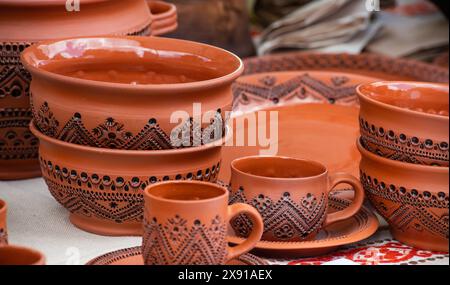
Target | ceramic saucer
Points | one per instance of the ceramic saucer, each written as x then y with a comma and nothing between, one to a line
359,227
133,256
320,132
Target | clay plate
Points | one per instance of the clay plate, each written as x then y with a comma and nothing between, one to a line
133,256
365,64
320,132
359,227
258,91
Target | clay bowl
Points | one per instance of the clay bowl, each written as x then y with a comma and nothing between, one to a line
406,121
3,230
16,255
121,92
23,23
164,17
412,198
103,188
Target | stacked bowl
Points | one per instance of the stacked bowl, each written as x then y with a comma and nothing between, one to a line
405,156
116,114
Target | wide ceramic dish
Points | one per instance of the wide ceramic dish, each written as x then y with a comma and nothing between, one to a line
301,134
359,227
164,17
133,256
122,92
412,198
25,22
262,90
22,256
103,189
406,121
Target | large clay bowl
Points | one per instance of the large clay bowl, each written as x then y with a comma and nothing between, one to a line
164,17
406,121
103,188
25,22
412,198
122,92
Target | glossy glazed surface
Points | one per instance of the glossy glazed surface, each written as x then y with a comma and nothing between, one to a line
103,189
406,121
414,199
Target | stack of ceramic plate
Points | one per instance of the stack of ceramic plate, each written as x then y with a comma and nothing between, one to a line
26,22
405,156
116,114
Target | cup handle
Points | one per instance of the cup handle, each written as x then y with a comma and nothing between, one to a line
358,200
255,235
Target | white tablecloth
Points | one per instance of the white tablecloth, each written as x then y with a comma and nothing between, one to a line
36,220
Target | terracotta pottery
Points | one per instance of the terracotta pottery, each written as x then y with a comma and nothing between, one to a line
164,17
15,255
412,198
357,228
366,64
122,92
25,22
304,131
103,188
133,256
3,230
290,194
406,121
185,223
257,91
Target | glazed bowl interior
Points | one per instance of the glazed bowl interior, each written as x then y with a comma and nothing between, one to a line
132,61
428,98
278,167
186,191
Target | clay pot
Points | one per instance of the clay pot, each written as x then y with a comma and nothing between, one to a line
25,22
103,188
120,92
412,198
406,121
164,17
15,255
185,223
3,230
290,194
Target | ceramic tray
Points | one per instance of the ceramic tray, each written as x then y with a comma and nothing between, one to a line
320,132
359,227
133,256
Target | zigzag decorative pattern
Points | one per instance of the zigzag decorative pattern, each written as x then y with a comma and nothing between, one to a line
176,242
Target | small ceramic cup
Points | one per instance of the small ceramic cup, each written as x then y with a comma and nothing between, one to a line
3,232
290,194
15,255
185,223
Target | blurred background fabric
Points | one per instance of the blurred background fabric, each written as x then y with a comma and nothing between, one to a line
415,29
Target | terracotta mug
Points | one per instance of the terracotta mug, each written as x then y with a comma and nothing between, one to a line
15,255
290,194
3,232
185,223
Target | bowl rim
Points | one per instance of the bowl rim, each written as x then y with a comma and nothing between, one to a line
125,152
362,96
190,86
399,164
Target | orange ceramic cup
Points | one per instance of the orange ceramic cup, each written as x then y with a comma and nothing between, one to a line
185,223
3,232
15,255
290,194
